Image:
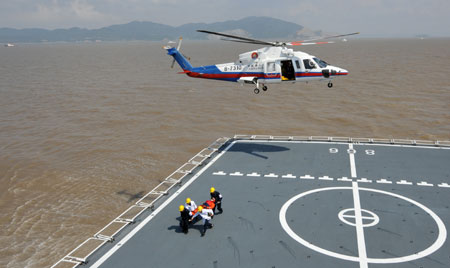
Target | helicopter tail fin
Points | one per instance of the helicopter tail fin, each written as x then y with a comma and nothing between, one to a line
178,57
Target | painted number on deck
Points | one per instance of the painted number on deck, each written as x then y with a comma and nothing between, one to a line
351,151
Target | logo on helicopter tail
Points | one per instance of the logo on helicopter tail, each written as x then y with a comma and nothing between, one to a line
254,55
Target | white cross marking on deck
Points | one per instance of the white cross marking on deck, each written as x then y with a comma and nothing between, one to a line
373,219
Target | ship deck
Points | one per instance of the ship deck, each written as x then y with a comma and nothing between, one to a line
291,203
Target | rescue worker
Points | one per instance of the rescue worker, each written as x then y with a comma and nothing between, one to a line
193,212
185,219
217,199
190,205
206,216
209,204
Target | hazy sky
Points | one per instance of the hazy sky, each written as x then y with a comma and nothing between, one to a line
370,17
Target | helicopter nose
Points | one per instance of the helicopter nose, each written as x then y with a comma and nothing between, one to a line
342,71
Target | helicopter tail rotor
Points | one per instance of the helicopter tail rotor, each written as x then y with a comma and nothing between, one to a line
178,48
179,57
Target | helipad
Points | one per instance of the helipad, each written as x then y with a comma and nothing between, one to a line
295,202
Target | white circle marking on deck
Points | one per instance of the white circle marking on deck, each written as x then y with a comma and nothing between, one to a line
435,246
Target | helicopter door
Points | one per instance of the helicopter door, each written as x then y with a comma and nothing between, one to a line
287,70
272,72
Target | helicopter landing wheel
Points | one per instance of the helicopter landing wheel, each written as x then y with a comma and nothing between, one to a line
264,88
256,90
330,85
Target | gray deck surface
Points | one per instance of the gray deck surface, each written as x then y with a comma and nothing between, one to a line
249,232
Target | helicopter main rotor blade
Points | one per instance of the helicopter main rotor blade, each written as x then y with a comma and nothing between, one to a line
246,42
323,38
299,43
238,38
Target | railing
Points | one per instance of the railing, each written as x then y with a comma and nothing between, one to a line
108,233
345,139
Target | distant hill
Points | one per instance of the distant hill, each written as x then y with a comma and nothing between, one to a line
256,27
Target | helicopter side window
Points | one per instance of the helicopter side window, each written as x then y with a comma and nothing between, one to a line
271,67
297,63
321,63
309,64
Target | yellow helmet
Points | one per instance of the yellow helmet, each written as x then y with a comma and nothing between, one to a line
188,200
212,190
181,208
200,208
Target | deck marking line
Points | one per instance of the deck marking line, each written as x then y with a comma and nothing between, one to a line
364,180
157,210
271,175
445,185
424,183
359,227
220,173
404,182
384,181
237,173
326,178
307,177
289,176
344,179
352,160
254,174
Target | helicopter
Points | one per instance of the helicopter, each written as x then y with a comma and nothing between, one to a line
274,63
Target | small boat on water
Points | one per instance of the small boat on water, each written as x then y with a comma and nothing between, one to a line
9,45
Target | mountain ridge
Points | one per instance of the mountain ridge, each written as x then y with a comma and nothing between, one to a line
255,27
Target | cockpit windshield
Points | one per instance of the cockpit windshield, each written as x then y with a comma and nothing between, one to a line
321,63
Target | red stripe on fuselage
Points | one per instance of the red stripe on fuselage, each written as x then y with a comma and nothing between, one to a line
231,75
308,74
